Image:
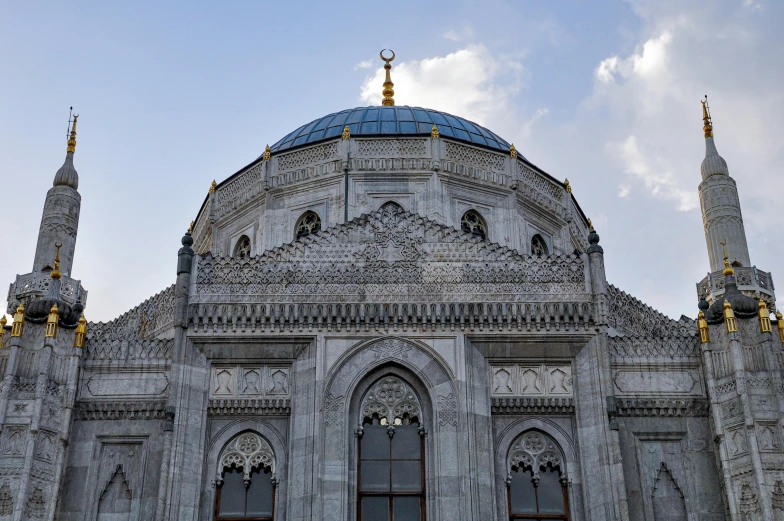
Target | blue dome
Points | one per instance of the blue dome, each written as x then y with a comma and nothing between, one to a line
391,121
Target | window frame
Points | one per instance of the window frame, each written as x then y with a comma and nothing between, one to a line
481,225
271,517
299,221
539,238
564,490
238,244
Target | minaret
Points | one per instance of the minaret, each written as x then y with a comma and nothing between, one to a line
721,215
60,219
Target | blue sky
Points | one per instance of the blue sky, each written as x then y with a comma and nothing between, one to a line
172,95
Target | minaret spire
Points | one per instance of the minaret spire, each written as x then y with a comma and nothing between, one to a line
721,215
72,138
388,92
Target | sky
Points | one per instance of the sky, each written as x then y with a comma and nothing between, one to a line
172,95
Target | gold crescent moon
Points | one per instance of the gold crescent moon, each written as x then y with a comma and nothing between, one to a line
387,59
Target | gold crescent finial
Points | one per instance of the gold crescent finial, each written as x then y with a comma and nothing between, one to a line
72,139
387,59
727,268
706,118
388,92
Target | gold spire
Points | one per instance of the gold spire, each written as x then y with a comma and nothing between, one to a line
388,92
590,225
56,271
764,317
213,185
568,186
729,318
513,151
702,327
81,332
17,328
267,154
72,140
727,268
780,325
3,322
51,323
706,118
346,135
434,133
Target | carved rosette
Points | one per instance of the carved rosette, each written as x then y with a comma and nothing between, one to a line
535,450
246,451
392,400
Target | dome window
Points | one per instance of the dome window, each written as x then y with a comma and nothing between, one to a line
242,248
308,224
473,223
538,246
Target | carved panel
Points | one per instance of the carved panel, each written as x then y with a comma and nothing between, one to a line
121,383
668,382
487,160
147,320
307,156
539,182
251,380
119,467
392,147
531,380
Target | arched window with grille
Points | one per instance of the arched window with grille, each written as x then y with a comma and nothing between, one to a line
246,480
538,245
242,248
473,223
391,470
536,484
308,224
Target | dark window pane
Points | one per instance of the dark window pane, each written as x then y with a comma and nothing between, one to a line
232,494
375,476
375,442
522,493
550,493
405,442
406,509
406,476
375,509
260,494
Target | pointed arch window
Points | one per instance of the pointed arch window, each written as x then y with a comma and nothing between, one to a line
473,223
391,471
242,248
538,245
536,484
308,224
246,480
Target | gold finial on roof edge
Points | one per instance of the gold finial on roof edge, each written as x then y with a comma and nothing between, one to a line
213,186
590,225
434,133
388,91
190,227
267,154
706,118
346,135
567,185
513,151
72,139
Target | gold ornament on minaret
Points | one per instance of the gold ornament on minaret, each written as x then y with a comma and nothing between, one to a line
728,271
56,271
81,332
702,327
3,322
51,322
389,91
72,138
764,317
17,327
780,325
729,318
568,186
706,118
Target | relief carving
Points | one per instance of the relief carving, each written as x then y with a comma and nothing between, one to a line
526,380
127,384
255,381
655,382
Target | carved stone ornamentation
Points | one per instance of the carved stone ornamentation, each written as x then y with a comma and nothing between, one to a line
534,450
391,399
531,380
246,451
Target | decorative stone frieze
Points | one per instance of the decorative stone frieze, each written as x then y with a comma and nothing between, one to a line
246,381
249,407
663,407
150,319
127,410
542,405
632,317
531,380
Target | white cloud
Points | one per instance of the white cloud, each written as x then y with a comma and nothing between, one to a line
363,65
624,191
471,82
452,35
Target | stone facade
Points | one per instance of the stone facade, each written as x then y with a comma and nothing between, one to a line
504,342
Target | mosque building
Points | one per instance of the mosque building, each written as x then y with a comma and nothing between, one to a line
392,315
